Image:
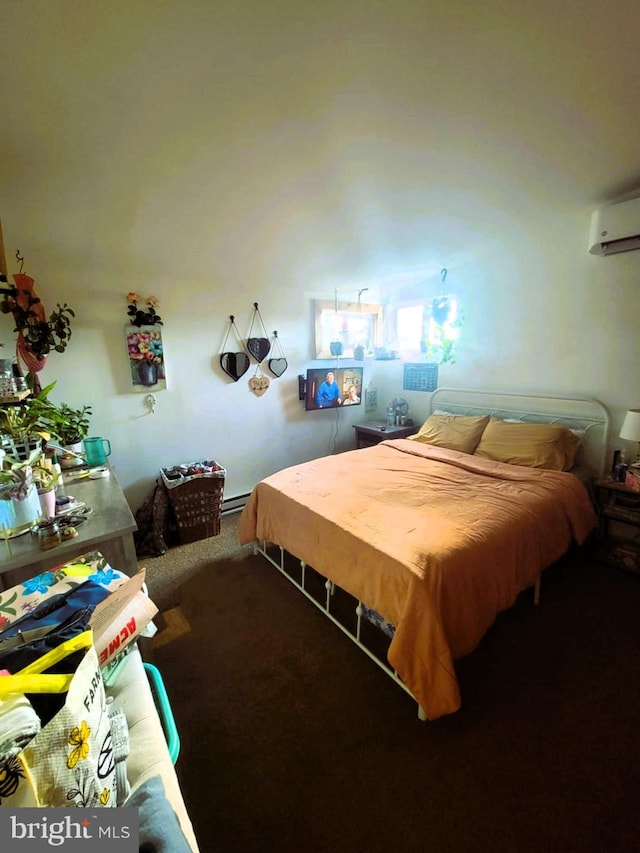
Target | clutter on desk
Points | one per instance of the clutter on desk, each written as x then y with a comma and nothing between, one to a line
68,532
49,534
68,505
98,473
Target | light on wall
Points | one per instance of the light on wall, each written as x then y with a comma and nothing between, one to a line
630,430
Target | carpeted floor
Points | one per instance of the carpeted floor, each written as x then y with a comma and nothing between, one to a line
292,740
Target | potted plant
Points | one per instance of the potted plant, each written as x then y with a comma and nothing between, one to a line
20,505
42,334
70,426
24,426
46,479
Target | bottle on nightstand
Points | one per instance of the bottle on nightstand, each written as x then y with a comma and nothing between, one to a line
391,415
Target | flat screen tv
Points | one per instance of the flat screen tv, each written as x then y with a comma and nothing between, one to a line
330,388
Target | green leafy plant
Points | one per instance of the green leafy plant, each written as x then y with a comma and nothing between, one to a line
17,475
31,418
445,320
41,335
71,425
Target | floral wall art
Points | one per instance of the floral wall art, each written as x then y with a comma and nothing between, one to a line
144,344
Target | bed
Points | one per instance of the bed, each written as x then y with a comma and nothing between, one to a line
435,534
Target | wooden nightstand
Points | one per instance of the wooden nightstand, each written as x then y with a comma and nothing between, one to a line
369,434
619,525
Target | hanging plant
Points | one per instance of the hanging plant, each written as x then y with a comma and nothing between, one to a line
441,309
442,331
40,335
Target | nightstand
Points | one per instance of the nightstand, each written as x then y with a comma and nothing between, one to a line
369,434
618,525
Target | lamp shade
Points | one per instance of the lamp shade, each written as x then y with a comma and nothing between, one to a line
630,429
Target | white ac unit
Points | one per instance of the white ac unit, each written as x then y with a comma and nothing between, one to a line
615,228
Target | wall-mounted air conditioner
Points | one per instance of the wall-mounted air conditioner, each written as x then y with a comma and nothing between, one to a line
615,228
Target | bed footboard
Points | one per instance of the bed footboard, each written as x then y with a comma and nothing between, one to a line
278,561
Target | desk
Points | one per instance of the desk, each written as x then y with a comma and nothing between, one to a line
109,529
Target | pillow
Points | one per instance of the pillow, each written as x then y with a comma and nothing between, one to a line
457,432
534,445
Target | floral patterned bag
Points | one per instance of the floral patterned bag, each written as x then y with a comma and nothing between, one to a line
70,761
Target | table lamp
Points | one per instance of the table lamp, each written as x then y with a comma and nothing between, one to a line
630,430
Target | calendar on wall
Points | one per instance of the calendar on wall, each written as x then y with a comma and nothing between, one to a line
420,377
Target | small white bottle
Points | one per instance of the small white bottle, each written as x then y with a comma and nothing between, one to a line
55,465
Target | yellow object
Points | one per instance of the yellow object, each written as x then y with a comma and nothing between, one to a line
457,432
30,679
534,445
78,570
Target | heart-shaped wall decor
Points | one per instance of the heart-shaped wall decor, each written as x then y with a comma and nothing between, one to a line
234,364
259,348
259,384
278,366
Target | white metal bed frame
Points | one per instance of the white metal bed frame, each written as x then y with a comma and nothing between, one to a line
584,413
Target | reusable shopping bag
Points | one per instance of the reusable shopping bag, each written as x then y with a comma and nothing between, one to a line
55,609
18,652
70,761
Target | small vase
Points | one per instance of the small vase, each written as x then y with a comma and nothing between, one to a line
47,503
335,347
148,372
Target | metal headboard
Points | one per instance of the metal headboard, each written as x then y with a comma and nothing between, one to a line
583,413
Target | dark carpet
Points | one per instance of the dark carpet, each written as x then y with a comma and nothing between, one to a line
293,740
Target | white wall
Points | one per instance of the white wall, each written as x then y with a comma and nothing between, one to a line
217,155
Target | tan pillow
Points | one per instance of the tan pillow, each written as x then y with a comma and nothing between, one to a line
534,445
457,432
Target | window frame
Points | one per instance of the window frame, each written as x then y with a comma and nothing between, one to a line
328,313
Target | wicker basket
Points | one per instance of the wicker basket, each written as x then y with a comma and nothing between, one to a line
197,503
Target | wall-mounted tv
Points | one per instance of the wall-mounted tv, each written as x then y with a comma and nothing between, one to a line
328,388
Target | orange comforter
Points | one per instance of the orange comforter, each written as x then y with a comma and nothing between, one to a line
437,541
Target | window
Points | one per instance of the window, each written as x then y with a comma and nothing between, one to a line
430,329
342,328
409,321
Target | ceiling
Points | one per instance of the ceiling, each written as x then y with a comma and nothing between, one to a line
510,103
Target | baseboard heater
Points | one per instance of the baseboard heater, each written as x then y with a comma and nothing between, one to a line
236,504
